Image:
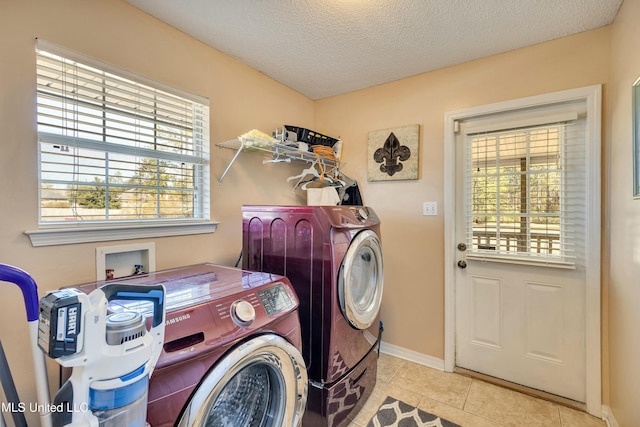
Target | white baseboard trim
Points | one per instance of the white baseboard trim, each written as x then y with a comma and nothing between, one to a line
607,416
412,356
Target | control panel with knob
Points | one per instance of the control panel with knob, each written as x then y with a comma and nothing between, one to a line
242,313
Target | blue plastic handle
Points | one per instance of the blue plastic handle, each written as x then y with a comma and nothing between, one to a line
9,273
132,292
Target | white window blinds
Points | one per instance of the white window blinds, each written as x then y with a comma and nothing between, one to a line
525,192
114,147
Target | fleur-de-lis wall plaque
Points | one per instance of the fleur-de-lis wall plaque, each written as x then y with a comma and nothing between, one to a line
393,154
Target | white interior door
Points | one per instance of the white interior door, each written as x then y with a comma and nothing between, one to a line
522,227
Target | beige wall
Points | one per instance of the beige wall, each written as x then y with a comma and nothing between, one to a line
241,99
624,223
413,309
114,32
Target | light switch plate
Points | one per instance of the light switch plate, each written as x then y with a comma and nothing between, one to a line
429,208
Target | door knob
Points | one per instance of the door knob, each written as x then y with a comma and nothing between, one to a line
462,264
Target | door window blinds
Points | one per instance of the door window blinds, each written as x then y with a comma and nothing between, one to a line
525,192
113,147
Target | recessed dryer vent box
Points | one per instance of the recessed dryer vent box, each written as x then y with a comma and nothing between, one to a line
116,262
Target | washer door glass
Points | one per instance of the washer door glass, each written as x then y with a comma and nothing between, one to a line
360,280
249,398
262,383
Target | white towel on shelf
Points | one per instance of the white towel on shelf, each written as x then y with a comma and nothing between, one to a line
323,196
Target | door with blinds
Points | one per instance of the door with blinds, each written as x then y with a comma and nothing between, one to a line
521,222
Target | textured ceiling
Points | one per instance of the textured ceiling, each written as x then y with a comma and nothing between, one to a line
329,47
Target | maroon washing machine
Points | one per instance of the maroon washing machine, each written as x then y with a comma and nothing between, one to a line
232,350
333,257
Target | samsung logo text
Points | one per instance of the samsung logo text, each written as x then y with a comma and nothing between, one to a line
177,319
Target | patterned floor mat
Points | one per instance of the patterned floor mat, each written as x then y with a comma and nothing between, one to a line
396,413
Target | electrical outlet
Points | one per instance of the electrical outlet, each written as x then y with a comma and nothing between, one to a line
429,208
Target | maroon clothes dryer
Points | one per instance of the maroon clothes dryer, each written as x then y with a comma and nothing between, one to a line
232,349
333,258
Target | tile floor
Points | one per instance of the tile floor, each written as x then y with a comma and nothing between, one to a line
463,400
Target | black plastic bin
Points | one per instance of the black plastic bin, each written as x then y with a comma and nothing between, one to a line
311,137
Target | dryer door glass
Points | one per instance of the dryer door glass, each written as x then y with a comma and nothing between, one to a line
261,383
360,281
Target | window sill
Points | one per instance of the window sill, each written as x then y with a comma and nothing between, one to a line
73,235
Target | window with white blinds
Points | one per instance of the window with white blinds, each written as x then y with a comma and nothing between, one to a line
525,192
114,147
